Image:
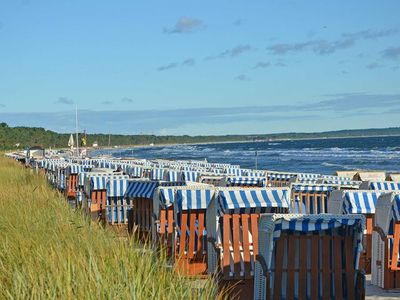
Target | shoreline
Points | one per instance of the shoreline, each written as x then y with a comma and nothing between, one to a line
119,147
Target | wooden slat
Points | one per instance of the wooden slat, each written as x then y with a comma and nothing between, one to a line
170,215
280,246
338,267
326,269
201,226
349,252
303,255
254,232
291,245
162,221
182,242
236,245
314,266
246,246
395,251
225,245
192,234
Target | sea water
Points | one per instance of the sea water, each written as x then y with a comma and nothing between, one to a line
312,156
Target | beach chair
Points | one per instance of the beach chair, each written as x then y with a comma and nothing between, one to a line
370,176
96,193
310,198
72,172
309,257
190,241
214,180
232,225
357,202
343,183
380,186
115,211
386,242
243,181
279,179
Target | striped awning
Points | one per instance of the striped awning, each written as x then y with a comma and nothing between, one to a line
193,198
350,183
167,196
144,189
312,188
157,174
173,175
135,171
235,200
98,182
190,176
360,202
233,171
245,181
385,185
116,187
280,176
308,175
396,208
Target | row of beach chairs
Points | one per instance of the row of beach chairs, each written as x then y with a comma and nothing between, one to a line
304,237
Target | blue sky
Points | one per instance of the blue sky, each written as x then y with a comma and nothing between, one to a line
205,67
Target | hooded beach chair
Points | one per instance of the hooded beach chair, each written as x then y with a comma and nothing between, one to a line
116,209
190,245
357,202
380,186
386,242
309,257
72,172
310,198
279,179
243,181
370,176
232,222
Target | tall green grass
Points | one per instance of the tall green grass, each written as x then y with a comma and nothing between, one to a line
49,251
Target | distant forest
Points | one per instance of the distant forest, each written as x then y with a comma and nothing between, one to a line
22,137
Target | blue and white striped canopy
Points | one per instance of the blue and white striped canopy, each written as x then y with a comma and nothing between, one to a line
98,182
312,188
234,200
245,181
193,198
157,174
385,185
173,175
333,177
143,189
280,176
233,171
135,171
358,202
305,223
308,175
396,208
116,187
190,176
167,196
350,183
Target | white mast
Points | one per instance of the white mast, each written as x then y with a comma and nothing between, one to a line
76,122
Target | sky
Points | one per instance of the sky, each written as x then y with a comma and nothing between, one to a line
200,67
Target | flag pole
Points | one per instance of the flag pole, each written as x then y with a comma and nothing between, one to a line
76,122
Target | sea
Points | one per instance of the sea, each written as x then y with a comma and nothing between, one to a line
322,156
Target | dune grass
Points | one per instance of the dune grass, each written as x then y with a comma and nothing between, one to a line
48,251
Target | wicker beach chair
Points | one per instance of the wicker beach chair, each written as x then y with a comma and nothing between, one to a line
232,222
309,257
386,242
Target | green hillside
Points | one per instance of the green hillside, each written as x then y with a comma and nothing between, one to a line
27,136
